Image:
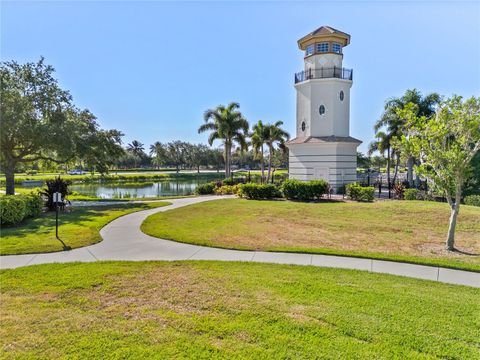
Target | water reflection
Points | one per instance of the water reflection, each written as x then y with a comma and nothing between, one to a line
139,190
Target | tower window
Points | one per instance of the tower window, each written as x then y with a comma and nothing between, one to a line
321,109
309,50
337,48
303,126
342,95
322,47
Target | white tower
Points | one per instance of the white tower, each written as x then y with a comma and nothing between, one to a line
323,148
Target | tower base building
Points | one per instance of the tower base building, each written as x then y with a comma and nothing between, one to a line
323,148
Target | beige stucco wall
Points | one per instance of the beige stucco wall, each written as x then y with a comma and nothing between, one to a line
313,93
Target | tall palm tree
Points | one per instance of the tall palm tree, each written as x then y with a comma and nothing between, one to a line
136,148
259,139
159,153
382,144
275,135
226,123
395,126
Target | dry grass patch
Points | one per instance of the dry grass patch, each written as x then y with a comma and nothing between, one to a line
398,230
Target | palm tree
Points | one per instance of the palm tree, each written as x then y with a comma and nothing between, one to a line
226,123
275,135
136,148
158,152
259,139
382,144
395,126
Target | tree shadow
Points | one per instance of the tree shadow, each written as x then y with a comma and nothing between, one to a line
463,252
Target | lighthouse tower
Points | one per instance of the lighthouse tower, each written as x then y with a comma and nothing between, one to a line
323,148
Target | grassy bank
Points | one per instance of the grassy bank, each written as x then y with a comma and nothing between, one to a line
79,227
212,310
120,177
412,231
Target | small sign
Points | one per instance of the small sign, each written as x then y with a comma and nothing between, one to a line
57,197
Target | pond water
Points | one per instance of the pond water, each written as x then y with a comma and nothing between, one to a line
139,190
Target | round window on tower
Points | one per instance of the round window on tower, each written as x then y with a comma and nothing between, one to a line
321,109
303,126
342,95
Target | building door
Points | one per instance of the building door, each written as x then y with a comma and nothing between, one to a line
322,173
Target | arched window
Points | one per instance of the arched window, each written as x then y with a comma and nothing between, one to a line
321,109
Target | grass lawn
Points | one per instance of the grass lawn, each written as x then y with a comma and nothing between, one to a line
411,231
209,310
78,228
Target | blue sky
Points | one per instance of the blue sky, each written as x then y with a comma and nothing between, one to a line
152,68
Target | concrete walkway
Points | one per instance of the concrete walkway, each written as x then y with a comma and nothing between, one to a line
123,240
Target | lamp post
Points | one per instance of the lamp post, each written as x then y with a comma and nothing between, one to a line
57,197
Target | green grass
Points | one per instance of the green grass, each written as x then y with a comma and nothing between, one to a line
213,310
411,231
79,227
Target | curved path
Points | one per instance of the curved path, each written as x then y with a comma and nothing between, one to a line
123,240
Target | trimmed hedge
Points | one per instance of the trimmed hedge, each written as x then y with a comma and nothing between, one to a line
15,208
205,189
304,190
360,193
411,194
258,191
12,209
473,200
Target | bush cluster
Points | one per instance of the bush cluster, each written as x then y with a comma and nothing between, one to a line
304,190
360,193
258,191
15,208
473,200
205,189
227,190
411,194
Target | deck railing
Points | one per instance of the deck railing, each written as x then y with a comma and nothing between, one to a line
324,73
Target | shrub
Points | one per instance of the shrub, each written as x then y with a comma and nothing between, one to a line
53,186
12,209
205,189
228,181
473,200
360,193
31,172
226,190
411,194
258,191
304,190
33,204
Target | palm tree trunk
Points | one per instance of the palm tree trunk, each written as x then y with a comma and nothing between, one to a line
227,159
270,155
262,165
388,171
397,163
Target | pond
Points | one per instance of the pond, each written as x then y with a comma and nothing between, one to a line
139,189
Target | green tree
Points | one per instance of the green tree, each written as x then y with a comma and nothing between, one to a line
445,144
275,136
158,151
137,149
39,121
226,123
259,139
393,124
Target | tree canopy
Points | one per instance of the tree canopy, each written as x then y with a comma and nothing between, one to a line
40,122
